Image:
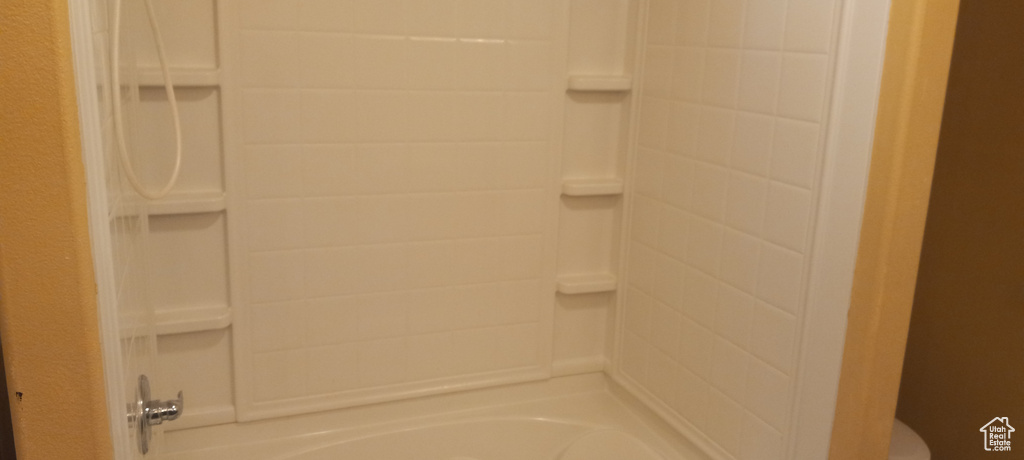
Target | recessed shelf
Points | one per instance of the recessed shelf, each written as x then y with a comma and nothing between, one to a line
182,320
150,77
188,203
587,283
592,187
600,83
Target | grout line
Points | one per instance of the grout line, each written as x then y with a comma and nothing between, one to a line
480,191
520,236
393,291
688,265
703,104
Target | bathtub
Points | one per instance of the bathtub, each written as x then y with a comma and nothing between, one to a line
490,439
569,418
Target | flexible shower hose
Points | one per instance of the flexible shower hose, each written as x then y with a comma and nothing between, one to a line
122,147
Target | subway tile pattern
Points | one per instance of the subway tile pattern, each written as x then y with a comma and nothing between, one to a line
397,169
724,182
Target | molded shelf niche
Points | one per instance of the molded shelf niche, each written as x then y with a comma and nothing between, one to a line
590,283
592,187
182,320
181,78
188,203
600,83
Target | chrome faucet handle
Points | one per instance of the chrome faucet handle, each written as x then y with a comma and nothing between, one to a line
144,413
157,411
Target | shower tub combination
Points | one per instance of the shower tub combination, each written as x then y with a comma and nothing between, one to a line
570,418
480,229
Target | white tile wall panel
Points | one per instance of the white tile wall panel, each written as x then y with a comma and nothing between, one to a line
393,194
722,187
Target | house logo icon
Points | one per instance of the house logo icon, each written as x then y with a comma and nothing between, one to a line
997,434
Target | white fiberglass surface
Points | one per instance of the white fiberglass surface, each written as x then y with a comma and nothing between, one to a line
564,419
411,252
511,439
608,445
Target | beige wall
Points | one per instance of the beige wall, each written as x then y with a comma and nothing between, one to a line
965,353
47,291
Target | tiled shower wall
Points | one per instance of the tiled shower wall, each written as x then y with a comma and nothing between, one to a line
397,210
729,142
188,261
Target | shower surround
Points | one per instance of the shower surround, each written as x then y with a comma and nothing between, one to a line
394,205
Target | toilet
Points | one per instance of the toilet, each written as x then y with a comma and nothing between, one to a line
906,444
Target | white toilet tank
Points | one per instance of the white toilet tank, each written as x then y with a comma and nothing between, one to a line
906,444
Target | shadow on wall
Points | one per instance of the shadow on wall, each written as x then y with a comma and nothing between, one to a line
965,355
6,427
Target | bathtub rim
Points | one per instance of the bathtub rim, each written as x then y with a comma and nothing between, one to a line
589,428
554,399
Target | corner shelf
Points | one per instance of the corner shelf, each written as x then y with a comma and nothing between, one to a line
587,283
188,203
592,187
182,320
600,83
182,78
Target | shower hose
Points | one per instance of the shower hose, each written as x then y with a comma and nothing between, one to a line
115,78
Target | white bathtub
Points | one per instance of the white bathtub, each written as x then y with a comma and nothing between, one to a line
490,439
569,418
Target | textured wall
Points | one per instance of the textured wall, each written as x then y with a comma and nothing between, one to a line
964,352
47,291
732,109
